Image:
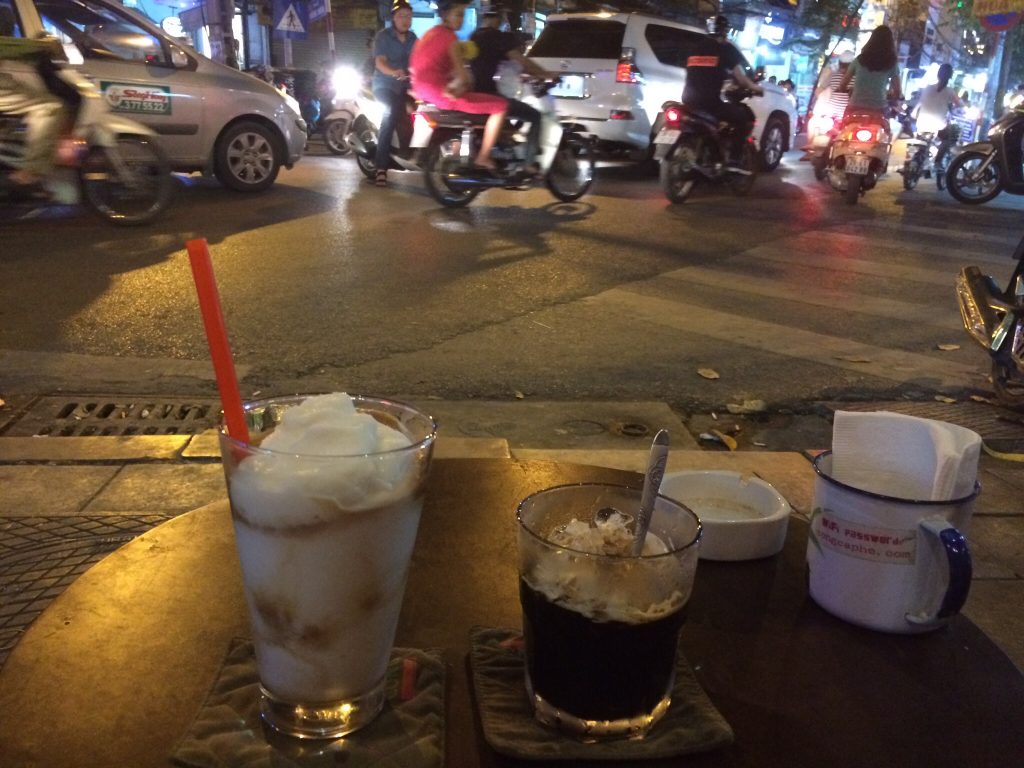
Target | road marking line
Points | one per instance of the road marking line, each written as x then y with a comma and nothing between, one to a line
890,364
820,296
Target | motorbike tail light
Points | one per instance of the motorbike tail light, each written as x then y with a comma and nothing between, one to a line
626,71
864,134
673,117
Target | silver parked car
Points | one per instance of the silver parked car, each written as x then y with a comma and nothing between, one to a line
208,117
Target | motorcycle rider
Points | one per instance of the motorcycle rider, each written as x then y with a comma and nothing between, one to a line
439,76
496,46
23,94
933,109
392,48
710,62
875,76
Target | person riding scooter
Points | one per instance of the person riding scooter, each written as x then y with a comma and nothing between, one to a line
39,96
710,62
496,46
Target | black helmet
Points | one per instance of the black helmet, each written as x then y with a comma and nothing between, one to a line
718,26
400,5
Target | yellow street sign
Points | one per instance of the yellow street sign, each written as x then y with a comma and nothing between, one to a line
995,7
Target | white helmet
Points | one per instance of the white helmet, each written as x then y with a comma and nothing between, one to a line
846,57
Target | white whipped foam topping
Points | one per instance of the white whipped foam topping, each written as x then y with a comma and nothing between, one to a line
610,536
319,469
631,590
330,425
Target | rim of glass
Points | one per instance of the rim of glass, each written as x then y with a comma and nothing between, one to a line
672,552
263,402
884,497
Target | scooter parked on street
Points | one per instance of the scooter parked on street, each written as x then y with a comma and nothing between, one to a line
690,146
565,156
107,161
994,317
985,168
859,155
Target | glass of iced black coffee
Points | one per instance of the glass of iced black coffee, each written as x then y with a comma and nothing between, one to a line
601,624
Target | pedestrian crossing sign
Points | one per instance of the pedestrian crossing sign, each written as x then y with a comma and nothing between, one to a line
291,19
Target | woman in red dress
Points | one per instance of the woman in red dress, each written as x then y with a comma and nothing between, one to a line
438,75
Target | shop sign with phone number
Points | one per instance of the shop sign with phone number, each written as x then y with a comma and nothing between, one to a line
137,99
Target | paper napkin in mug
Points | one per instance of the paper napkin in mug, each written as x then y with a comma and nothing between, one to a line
904,456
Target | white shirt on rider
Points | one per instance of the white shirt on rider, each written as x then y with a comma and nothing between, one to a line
933,109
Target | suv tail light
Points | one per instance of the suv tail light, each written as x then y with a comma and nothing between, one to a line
626,71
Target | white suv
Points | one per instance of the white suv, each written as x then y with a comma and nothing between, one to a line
619,68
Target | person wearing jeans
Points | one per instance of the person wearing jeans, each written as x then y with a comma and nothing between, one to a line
391,49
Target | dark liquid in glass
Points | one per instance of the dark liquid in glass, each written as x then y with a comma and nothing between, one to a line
595,670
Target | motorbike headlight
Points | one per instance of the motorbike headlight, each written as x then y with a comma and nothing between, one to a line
346,82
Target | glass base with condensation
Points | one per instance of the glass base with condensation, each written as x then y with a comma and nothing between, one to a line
633,728
328,720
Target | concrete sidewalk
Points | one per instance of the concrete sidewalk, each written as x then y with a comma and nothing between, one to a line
58,491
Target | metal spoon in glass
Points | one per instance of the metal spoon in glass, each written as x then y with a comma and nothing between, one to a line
652,482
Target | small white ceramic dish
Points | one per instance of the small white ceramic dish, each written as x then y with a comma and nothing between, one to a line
744,518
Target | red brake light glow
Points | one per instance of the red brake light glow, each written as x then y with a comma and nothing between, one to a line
626,72
673,116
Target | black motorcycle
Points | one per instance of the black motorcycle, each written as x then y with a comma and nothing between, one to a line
994,317
985,168
926,158
690,146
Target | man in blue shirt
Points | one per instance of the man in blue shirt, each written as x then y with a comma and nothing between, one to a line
391,49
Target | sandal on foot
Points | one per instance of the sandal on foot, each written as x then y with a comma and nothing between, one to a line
381,180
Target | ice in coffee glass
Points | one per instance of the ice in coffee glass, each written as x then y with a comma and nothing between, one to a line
325,499
601,625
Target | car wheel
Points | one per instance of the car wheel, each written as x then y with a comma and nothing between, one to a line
246,157
773,144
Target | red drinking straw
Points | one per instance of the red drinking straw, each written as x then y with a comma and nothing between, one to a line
217,337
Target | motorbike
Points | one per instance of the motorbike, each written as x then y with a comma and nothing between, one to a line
859,155
363,127
983,169
927,158
994,317
565,154
107,161
690,146
337,118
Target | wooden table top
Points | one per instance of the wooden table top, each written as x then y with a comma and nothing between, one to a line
112,673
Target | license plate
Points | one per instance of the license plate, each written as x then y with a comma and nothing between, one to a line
857,164
666,136
570,87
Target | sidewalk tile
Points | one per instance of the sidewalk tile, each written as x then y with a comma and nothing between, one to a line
160,488
43,490
93,449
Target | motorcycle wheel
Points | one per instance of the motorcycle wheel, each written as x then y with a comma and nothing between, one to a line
572,170
368,136
677,176
911,174
1008,384
741,183
964,184
820,165
442,157
852,193
334,136
129,184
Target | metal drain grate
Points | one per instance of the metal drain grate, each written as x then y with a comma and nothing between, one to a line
41,556
118,415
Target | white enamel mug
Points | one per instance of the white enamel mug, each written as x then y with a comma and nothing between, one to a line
886,563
